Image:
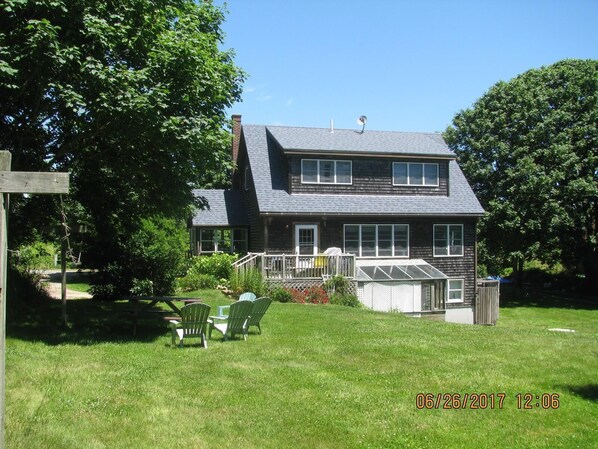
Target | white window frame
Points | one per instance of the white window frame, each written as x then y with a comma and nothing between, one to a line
409,183
448,241
311,227
377,225
201,240
335,180
460,289
217,237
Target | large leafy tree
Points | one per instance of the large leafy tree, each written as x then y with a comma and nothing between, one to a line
529,147
127,95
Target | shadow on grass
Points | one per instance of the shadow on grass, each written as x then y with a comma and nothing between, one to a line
589,391
32,316
71,276
90,322
535,297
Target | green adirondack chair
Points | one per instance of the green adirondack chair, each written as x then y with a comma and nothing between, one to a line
260,306
193,324
235,322
247,296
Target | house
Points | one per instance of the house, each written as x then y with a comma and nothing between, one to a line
390,210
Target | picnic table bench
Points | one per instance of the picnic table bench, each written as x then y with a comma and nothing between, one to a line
151,301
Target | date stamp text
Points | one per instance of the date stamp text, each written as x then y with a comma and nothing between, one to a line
485,401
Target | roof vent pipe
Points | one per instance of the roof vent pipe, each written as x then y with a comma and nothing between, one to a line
362,120
331,126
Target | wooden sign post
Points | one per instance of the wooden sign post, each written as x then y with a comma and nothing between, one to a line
16,182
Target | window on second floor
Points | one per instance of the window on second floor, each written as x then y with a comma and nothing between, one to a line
414,174
325,171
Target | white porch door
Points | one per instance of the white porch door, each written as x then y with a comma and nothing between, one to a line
306,239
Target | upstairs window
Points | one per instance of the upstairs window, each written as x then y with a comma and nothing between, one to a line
448,240
414,174
325,171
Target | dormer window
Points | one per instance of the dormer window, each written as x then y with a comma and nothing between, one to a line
326,171
414,174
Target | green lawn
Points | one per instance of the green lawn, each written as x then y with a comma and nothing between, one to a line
318,377
78,286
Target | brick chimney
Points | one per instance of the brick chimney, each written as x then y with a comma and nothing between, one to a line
235,149
236,135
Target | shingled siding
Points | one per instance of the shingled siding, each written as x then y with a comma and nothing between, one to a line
421,230
462,267
256,227
371,176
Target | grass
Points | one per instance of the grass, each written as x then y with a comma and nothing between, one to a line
318,377
78,286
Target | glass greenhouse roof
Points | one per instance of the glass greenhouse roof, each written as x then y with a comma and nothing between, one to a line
410,272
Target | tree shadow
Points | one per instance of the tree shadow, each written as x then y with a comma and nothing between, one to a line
90,322
589,391
71,276
533,296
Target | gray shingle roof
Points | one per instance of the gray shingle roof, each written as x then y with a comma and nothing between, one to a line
270,177
225,208
351,141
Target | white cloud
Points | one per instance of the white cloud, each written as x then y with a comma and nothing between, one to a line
264,98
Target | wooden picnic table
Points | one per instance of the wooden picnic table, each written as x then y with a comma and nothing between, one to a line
152,301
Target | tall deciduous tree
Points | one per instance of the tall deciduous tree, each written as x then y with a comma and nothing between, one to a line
529,147
128,95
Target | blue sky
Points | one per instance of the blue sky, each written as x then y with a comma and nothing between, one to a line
406,65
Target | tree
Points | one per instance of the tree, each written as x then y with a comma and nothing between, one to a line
129,96
529,147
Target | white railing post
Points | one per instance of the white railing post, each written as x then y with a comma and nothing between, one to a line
284,266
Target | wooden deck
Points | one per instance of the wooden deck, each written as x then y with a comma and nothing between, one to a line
296,267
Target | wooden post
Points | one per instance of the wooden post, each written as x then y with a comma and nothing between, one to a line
63,279
16,182
5,162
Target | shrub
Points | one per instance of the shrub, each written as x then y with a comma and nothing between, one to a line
338,287
313,295
281,295
24,287
219,265
345,299
248,281
337,284
316,295
207,272
196,281
142,287
36,256
107,283
157,251
297,296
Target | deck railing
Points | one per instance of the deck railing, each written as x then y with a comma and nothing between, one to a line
292,266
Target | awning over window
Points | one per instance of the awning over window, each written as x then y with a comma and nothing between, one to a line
419,271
